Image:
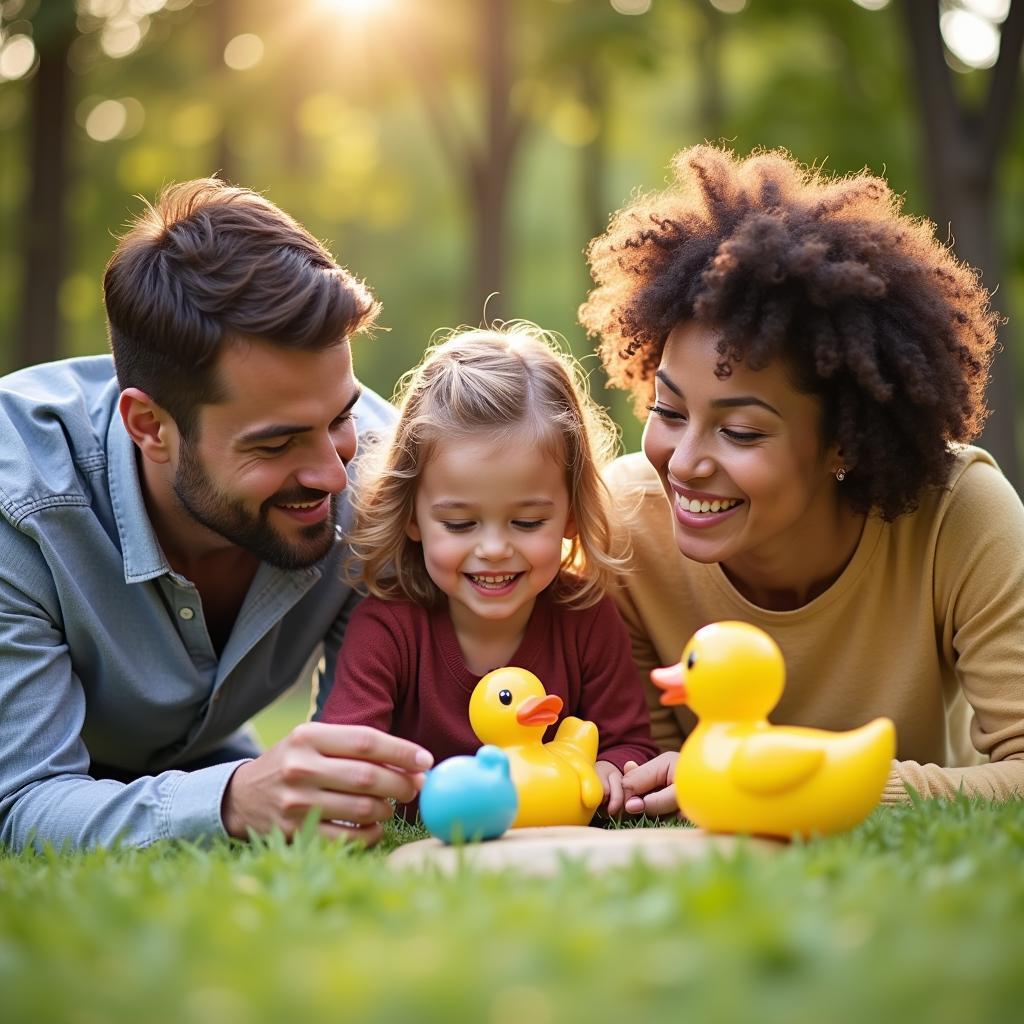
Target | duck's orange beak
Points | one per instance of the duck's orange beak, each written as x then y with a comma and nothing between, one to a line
672,682
539,710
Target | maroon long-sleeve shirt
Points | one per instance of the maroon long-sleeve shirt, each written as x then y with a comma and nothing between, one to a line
400,669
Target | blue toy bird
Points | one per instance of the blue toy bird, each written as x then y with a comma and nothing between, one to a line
466,799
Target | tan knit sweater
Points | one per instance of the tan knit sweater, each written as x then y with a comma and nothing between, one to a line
925,625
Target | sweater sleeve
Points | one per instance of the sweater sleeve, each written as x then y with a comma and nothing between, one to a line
979,600
613,696
639,513
369,669
665,730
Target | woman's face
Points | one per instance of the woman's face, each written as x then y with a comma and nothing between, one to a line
741,458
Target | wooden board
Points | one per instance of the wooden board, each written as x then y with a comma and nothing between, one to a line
543,851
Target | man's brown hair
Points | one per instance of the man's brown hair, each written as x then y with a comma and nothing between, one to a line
209,262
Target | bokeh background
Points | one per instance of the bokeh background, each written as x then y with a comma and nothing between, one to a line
458,154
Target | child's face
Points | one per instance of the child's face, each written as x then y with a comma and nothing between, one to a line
491,516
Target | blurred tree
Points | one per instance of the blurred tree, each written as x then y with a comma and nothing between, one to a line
962,146
57,29
593,158
562,108
553,59
589,61
859,82
484,167
44,228
711,109
223,14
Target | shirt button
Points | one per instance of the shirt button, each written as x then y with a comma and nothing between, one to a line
186,614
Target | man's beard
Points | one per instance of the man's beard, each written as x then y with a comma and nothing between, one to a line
230,518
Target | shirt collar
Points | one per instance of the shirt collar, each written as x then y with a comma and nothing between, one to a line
143,558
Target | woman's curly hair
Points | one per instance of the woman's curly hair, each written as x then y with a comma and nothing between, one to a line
867,308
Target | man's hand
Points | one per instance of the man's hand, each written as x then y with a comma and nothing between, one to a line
347,772
650,788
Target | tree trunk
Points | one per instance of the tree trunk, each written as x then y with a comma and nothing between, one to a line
491,173
223,154
594,155
484,169
961,150
44,242
711,102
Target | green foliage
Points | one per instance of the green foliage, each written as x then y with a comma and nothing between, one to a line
331,125
916,915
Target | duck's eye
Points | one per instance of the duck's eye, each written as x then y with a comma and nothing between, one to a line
691,660
505,696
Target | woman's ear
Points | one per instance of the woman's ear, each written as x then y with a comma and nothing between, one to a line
837,464
412,530
149,425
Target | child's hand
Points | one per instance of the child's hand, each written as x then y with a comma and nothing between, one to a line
611,780
650,788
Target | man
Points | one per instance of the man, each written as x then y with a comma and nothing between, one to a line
168,523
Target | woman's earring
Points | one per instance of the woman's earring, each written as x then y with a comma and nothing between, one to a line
841,474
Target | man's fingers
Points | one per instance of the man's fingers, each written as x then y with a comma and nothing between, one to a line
348,807
366,835
350,772
343,775
364,744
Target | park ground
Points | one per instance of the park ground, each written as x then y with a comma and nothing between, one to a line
916,915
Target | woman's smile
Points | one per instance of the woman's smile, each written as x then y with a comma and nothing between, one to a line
699,508
741,459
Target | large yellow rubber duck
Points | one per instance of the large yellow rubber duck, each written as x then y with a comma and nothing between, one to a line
738,773
556,782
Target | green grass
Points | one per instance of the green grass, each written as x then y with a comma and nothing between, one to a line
918,915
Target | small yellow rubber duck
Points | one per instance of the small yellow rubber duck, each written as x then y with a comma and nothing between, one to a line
556,782
738,773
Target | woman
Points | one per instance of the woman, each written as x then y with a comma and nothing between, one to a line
813,364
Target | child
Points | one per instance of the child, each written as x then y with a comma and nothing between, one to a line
459,536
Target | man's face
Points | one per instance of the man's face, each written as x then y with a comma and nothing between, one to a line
267,462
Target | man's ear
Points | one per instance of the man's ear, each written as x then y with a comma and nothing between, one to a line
149,425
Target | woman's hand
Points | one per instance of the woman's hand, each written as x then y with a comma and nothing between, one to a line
650,788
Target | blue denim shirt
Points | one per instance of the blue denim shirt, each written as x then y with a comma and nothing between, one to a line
104,653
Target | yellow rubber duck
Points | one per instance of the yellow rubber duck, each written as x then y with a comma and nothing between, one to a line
738,773
556,782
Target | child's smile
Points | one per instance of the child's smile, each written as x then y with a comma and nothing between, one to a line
491,514
494,584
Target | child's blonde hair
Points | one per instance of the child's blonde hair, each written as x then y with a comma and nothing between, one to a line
502,381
